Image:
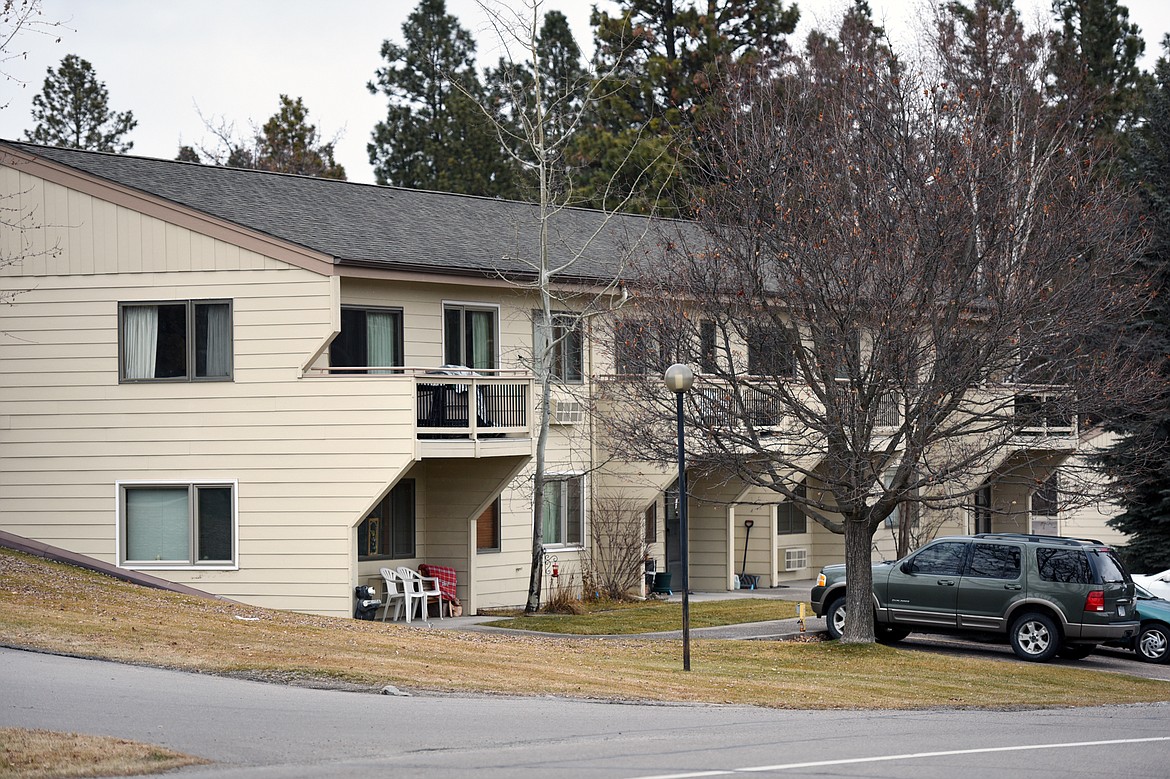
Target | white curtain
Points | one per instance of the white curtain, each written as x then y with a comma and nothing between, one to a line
381,342
481,339
157,526
219,340
139,341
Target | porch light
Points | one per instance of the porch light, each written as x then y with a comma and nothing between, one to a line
679,379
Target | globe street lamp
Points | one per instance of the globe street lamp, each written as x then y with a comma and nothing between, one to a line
679,379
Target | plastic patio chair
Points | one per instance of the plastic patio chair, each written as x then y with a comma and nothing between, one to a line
395,594
420,588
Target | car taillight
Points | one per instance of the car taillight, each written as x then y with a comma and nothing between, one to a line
821,580
1095,601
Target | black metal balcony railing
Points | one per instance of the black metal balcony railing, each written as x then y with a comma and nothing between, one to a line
460,407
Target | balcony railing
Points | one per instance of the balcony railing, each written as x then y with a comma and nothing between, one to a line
1040,416
458,403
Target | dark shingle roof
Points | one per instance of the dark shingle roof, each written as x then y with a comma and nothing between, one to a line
371,225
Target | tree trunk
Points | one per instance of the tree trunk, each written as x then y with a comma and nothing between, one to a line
859,575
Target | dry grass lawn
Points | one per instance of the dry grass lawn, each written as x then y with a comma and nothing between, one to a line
64,609
31,754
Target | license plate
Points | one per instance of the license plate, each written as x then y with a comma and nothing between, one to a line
1121,611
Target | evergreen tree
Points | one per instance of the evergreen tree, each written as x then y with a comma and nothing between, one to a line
73,111
1139,462
564,82
289,144
663,57
1096,51
435,136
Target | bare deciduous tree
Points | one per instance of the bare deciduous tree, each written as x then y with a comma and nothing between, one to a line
900,282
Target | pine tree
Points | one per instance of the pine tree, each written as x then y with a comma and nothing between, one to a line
73,111
1097,50
434,137
667,55
287,143
1139,462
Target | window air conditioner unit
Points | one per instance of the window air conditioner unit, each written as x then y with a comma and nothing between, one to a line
795,559
568,412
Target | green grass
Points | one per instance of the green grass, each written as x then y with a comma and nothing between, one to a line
654,617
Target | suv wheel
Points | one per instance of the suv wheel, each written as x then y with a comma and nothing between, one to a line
1034,637
1153,643
835,618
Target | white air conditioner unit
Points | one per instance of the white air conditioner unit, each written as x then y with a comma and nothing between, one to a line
568,412
795,559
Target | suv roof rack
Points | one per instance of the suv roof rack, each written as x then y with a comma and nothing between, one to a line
1067,540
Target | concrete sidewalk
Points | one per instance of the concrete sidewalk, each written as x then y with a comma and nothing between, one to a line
775,630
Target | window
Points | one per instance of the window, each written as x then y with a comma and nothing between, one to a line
652,523
1046,500
177,341
177,524
639,348
469,336
369,337
769,353
487,528
942,559
562,510
1063,565
388,531
995,561
790,520
982,509
559,346
707,362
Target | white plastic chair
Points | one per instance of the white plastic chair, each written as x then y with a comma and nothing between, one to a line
420,588
395,593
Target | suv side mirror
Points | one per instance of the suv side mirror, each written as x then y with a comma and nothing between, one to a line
909,567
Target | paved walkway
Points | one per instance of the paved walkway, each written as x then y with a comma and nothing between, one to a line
758,631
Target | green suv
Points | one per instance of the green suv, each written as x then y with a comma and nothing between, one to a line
1048,594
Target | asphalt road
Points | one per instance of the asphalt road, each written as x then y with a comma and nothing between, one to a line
257,730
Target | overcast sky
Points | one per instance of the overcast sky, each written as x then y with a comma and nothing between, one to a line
169,60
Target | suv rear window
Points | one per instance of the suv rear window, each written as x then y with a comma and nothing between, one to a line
1063,565
1110,568
995,561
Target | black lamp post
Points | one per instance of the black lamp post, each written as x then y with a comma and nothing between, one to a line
679,379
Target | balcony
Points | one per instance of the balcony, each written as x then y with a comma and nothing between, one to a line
1041,417
457,412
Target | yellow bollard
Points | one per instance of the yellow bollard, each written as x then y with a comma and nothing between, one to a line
800,616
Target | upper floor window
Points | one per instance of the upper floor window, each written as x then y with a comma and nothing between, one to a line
559,346
707,361
640,347
369,338
770,354
469,336
175,341
177,524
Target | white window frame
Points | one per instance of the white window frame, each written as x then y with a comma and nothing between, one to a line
467,305
120,488
566,477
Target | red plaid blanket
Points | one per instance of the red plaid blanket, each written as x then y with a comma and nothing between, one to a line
446,577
